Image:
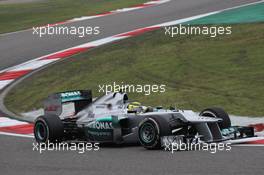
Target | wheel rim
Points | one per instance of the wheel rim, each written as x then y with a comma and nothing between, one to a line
147,133
41,131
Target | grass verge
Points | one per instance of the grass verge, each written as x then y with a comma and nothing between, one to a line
198,71
15,17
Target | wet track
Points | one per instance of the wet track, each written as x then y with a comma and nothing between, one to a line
17,157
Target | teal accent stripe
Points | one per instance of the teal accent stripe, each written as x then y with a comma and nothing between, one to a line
67,99
106,119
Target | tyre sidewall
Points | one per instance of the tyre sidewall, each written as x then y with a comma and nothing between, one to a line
54,128
218,113
47,130
155,143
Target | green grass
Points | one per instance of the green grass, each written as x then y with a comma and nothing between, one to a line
15,17
198,71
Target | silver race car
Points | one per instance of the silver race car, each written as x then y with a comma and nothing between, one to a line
112,118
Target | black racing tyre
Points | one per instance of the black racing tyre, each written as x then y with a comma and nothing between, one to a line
48,128
219,113
150,132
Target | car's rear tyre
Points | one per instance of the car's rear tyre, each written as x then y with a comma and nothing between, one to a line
219,113
48,128
150,132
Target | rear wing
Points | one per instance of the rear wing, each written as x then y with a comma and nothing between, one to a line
80,98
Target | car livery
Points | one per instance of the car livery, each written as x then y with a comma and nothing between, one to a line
112,118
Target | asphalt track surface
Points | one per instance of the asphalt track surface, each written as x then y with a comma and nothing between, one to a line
17,157
19,47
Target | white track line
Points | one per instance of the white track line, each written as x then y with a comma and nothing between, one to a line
16,135
249,145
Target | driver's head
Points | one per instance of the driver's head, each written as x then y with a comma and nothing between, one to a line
134,106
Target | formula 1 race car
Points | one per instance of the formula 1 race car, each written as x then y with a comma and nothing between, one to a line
112,118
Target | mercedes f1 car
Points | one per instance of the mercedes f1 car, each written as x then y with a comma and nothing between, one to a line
112,118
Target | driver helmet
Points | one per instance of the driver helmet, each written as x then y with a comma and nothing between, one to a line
134,106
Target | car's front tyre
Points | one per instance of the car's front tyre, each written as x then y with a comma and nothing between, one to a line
218,113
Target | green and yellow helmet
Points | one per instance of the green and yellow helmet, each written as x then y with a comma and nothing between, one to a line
133,106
